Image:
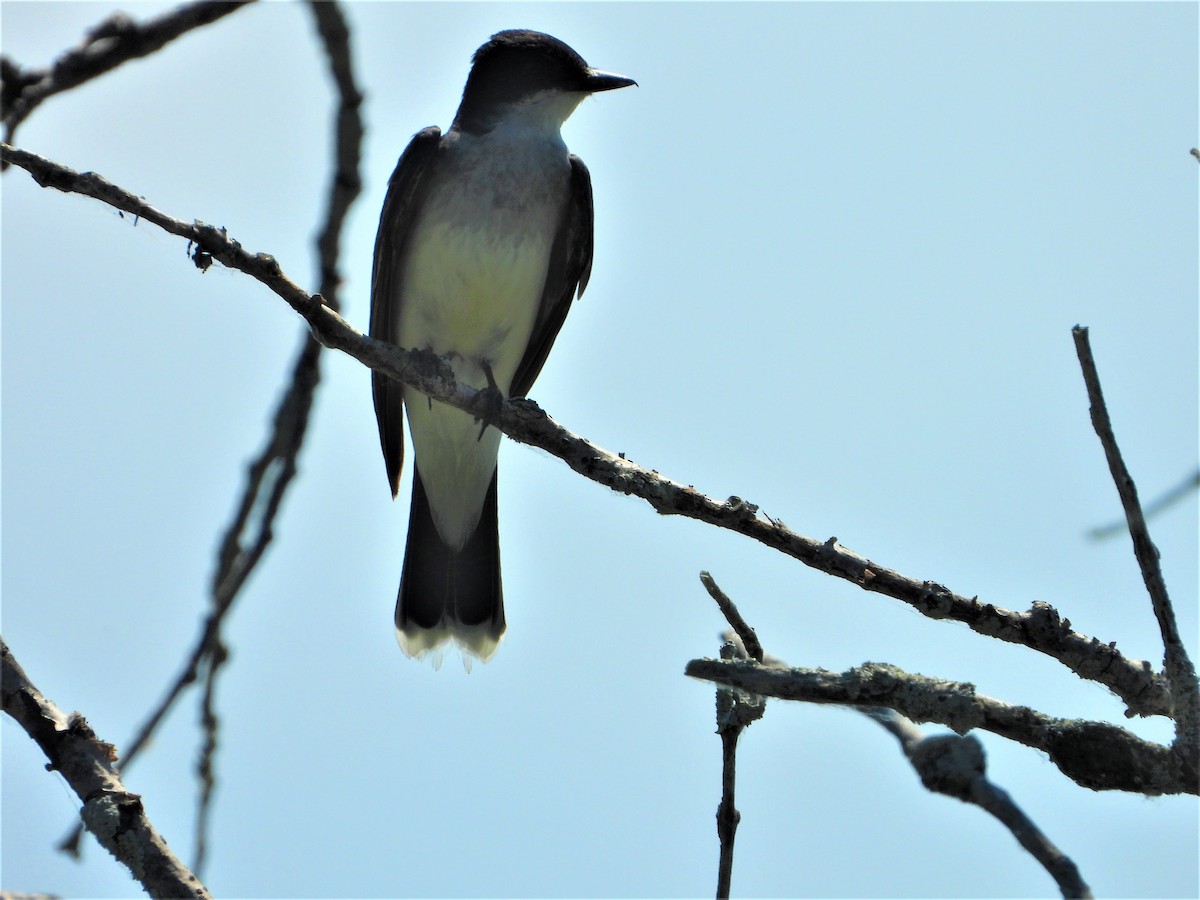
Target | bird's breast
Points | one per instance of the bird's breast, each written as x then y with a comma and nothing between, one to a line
473,293
477,260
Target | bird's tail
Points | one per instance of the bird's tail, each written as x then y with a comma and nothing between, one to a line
446,593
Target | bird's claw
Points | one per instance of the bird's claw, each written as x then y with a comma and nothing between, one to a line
487,401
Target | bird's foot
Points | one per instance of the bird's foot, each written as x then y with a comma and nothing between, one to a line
488,401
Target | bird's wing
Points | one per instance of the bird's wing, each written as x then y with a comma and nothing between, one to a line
405,190
570,267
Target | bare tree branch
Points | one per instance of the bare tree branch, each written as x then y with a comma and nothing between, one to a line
736,710
1096,755
1185,690
114,815
955,765
348,134
270,475
205,766
1040,628
751,647
114,41
948,764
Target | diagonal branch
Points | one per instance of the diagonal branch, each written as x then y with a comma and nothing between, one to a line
269,476
1185,690
348,135
750,644
116,40
956,765
1096,755
114,815
246,538
1040,628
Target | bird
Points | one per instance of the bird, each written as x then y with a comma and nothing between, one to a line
484,242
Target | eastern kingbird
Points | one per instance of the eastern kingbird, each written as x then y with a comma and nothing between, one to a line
484,240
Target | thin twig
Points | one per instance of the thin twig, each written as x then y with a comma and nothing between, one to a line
246,539
735,711
727,815
730,611
1040,628
206,766
1096,755
244,543
1163,501
114,815
1185,690
269,476
116,40
346,183
955,765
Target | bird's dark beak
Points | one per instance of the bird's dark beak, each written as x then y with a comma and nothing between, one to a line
598,80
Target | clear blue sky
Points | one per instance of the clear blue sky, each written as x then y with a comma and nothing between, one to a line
839,250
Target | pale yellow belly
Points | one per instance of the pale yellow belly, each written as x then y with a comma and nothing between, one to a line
471,296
